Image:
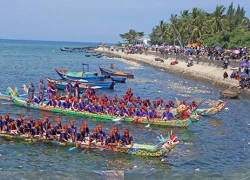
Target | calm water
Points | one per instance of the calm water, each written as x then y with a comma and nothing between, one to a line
215,147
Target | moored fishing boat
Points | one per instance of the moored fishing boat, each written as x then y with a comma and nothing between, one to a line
160,149
85,74
157,121
106,72
118,79
83,86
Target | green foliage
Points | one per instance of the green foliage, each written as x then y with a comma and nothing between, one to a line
132,36
228,40
224,27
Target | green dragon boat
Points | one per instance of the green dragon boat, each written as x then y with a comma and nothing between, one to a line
167,123
161,149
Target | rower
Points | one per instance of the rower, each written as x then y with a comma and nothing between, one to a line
36,130
127,139
31,122
31,90
80,105
66,104
23,129
167,115
38,100
58,126
150,114
170,104
41,88
80,136
116,134
95,137
6,122
51,133
68,88
193,106
20,120
86,129
54,89
49,91
51,101
72,129
29,100
101,133
110,140
64,134
46,124
12,125
40,125
77,89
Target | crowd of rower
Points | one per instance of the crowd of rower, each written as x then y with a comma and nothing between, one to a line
126,106
64,133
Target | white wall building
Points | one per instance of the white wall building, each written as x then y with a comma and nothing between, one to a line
144,41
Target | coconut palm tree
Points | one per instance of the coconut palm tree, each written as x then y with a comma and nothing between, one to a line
218,21
162,31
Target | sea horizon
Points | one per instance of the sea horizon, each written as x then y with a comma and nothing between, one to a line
47,41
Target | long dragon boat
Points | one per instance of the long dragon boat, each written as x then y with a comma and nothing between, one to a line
161,149
157,121
220,105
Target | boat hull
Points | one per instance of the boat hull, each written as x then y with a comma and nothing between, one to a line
119,79
138,149
211,111
103,117
106,72
88,77
83,86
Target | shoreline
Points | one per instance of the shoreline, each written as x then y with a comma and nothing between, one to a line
203,72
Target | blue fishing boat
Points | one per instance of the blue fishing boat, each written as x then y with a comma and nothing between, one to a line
118,79
98,56
66,49
85,75
109,73
60,84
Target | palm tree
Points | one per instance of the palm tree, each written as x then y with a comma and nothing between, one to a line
162,31
218,20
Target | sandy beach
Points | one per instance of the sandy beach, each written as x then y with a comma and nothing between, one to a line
202,71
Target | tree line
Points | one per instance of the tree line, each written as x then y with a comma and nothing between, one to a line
225,27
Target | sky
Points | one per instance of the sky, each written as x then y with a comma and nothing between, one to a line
91,20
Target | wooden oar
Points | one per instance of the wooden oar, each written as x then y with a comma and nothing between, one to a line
202,101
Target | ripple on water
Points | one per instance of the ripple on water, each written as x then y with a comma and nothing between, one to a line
215,147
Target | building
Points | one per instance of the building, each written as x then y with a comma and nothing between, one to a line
143,41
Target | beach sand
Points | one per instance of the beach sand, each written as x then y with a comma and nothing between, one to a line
202,71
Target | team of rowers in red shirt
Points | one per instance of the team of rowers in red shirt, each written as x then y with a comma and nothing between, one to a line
64,133
127,106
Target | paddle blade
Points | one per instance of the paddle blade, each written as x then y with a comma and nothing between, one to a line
117,119
147,126
70,149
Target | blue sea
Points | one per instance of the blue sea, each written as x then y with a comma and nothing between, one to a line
217,147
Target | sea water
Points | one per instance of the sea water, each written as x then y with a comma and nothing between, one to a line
216,147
